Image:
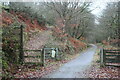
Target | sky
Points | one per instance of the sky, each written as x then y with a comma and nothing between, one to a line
97,8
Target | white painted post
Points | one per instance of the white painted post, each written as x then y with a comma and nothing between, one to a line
53,53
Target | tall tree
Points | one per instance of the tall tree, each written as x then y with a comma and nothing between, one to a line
107,28
72,16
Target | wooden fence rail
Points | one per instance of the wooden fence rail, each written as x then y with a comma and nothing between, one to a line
42,55
110,57
38,54
15,35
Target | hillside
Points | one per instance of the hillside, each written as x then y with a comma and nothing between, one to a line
37,36
16,19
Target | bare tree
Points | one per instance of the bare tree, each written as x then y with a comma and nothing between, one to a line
71,13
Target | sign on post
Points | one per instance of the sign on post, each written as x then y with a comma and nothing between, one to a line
53,53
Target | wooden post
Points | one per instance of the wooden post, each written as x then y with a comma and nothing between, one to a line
56,52
43,57
21,55
104,57
101,56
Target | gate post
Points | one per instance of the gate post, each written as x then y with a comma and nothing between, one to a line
21,55
104,57
43,57
101,56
